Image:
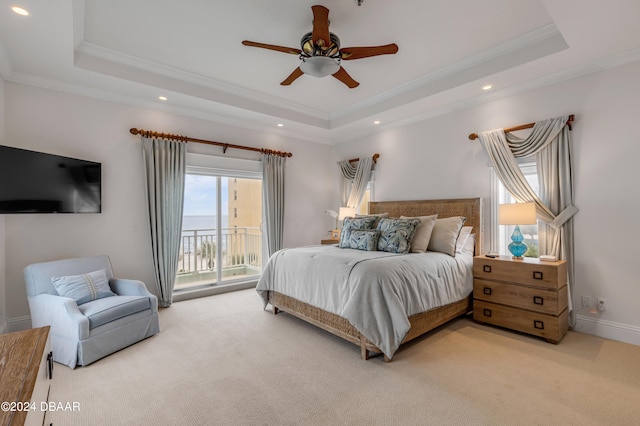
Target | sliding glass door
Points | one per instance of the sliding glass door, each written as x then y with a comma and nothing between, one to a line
221,229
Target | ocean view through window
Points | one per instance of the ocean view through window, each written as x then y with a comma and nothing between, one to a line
221,238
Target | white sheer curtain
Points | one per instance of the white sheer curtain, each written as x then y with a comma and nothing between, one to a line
273,201
355,180
550,143
165,166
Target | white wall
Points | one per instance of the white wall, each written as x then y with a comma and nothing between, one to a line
435,159
97,130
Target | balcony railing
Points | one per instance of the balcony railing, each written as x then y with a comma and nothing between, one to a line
240,253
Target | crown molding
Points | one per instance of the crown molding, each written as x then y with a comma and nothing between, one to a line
528,47
620,59
237,117
98,59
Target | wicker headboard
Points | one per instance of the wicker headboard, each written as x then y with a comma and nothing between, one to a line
471,208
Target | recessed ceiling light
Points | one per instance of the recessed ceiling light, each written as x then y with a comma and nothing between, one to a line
280,125
20,11
162,98
376,122
487,87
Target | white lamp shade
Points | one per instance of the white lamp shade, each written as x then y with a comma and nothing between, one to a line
346,212
517,214
319,66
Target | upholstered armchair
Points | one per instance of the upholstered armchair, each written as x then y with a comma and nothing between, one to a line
91,313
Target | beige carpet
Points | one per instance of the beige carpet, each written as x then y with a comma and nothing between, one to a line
222,360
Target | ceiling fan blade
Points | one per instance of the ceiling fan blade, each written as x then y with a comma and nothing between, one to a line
349,53
292,77
344,77
320,32
283,49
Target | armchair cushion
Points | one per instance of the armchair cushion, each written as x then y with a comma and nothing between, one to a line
103,311
83,288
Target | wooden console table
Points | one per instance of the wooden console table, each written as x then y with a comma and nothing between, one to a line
26,370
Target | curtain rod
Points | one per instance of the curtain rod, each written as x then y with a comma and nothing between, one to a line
225,146
375,158
474,136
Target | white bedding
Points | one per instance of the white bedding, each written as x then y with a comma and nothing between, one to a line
375,291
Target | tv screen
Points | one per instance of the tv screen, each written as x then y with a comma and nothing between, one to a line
35,182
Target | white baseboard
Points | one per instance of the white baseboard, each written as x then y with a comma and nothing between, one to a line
19,323
608,329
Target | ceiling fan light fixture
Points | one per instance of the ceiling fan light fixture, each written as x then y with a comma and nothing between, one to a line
320,66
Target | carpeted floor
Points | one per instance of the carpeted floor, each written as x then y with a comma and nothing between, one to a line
222,360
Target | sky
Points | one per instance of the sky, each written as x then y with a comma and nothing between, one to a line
200,195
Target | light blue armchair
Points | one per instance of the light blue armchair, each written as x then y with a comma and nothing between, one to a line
82,333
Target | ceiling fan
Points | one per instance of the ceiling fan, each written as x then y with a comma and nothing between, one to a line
320,52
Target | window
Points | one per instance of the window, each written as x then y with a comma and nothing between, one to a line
363,208
501,234
222,223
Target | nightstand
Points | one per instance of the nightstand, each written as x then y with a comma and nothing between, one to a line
329,241
526,295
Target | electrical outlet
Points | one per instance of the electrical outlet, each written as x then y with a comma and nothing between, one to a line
586,301
602,304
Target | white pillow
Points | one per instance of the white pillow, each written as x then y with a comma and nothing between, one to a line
470,245
422,236
462,238
445,234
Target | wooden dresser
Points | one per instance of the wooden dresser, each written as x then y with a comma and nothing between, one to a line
526,295
26,370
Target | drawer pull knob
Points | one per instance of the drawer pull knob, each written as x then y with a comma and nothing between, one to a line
486,268
537,275
487,291
487,312
537,300
50,365
538,324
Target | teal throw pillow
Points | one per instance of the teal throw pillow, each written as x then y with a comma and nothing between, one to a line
355,223
396,234
363,239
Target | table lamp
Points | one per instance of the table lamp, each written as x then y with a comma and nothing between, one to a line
517,214
345,212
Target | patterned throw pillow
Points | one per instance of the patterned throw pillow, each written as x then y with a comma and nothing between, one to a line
84,288
363,239
396,234
355,223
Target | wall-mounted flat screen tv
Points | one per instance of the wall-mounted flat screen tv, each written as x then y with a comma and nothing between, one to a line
36,182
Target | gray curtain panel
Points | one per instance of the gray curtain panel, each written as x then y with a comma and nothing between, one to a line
165,166
550,143
355,180
273,201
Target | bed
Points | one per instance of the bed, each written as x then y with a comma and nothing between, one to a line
342,290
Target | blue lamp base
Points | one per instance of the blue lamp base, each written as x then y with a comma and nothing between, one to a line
517,247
